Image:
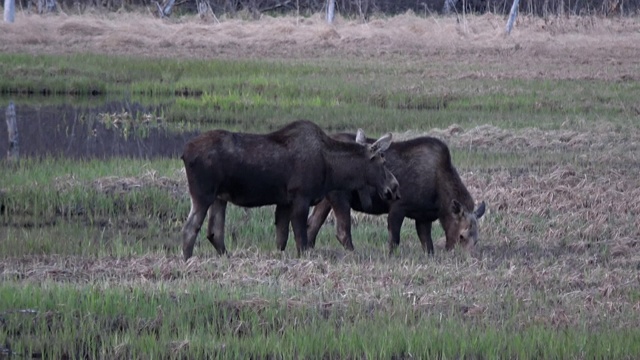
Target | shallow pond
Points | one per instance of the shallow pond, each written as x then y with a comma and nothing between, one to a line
112,129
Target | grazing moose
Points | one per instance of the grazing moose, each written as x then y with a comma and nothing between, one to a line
293,168
432,190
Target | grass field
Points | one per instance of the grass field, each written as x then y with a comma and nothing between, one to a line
90,265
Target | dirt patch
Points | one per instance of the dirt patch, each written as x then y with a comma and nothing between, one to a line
565,48
114,185
73,27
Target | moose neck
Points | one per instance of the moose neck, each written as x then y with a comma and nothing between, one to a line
345,164
452,188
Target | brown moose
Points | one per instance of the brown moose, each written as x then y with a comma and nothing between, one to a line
293,167
432,190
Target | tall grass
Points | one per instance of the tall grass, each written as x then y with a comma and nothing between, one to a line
205,321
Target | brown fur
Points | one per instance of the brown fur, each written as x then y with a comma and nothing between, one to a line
292,168
433,191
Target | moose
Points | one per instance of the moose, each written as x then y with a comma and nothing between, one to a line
293,168
432,190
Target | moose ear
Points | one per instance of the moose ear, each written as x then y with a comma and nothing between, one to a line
480,210
382,144
360,137
456,208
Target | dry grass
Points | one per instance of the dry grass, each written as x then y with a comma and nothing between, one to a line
551,292
114,185
567,48
600,137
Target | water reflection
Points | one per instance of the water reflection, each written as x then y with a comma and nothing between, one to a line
102,132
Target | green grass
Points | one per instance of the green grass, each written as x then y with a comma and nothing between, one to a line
32,172
195,320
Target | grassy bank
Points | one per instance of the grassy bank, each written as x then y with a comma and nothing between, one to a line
253,95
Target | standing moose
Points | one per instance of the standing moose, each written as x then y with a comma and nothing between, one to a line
293,167
432,190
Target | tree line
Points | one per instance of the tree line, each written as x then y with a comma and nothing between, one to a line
366,8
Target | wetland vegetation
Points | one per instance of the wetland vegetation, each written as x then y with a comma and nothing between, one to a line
90,262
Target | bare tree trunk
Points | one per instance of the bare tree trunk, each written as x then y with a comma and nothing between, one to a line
203,8
12,131
331,8
9,11
205,11
449,5
51,5
44,6
165,10
512,16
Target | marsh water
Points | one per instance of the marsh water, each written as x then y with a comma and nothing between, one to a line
110,129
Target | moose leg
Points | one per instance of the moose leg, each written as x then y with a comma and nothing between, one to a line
394,224
316,219
424,233
283,218
342,212
299,215
215,230
192,227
